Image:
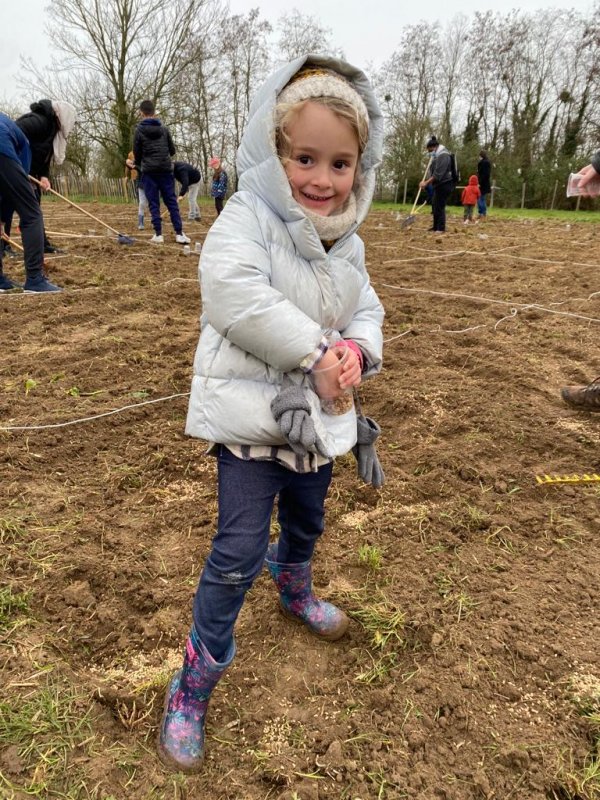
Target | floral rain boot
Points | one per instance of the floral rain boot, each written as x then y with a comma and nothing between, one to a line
294,582
181,735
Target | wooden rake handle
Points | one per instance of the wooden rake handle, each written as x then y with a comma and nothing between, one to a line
412,211
79,208
11,242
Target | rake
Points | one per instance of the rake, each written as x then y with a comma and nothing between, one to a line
121,237
12,242
412,216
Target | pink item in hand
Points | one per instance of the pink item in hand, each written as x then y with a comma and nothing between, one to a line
354,347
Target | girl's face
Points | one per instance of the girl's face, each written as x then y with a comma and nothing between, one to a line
323,159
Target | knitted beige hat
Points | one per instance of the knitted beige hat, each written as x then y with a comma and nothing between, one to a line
319,82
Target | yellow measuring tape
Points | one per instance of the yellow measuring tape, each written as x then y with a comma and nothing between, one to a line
585,478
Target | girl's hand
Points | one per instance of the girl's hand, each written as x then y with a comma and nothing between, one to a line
326,376
351,372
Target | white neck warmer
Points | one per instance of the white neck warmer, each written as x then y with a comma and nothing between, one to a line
335,225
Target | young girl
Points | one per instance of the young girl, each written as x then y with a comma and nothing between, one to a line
469,198
218,188
283,279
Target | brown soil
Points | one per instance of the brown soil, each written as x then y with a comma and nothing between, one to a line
105,525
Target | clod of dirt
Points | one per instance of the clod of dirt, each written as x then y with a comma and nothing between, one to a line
11,761
514,757
334,756
79,594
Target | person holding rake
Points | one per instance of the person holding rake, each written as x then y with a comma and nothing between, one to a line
17,192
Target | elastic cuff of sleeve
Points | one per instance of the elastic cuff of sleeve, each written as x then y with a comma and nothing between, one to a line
309,362
355,349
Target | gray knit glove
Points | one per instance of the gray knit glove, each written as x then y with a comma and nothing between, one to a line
291,410
369,468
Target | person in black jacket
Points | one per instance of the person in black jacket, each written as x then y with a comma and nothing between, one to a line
16,190
189,177
47,126
484,171
440,178
152,149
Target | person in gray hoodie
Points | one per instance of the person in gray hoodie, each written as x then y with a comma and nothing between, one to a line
290,325
440,178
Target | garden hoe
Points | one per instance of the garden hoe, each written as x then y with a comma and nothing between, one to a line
121,237
412,216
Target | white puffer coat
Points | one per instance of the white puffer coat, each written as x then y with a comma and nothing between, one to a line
269,289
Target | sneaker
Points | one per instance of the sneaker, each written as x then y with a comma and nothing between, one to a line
181,238
50,248
6,284
158,238
40,284
584,398
141,226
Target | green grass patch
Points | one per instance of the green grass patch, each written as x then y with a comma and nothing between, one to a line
44,730
11,605
569,216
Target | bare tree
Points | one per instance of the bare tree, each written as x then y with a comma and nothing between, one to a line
116,53
245,54
453,65
301,34
408,82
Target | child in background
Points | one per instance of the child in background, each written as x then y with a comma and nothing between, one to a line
218,188
134,176
470,196
283,276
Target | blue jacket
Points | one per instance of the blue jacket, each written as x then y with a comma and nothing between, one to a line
219,185
13,142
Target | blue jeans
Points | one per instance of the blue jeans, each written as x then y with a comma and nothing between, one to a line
246,494
155,186
481,206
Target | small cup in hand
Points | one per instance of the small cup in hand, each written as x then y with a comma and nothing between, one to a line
335,399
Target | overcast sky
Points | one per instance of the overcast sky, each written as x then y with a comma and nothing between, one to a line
366,31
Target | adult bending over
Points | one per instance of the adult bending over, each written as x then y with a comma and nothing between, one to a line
17,191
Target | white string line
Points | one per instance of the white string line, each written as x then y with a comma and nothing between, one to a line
438,255
88,419
512,315
493,300
7,295
452,253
